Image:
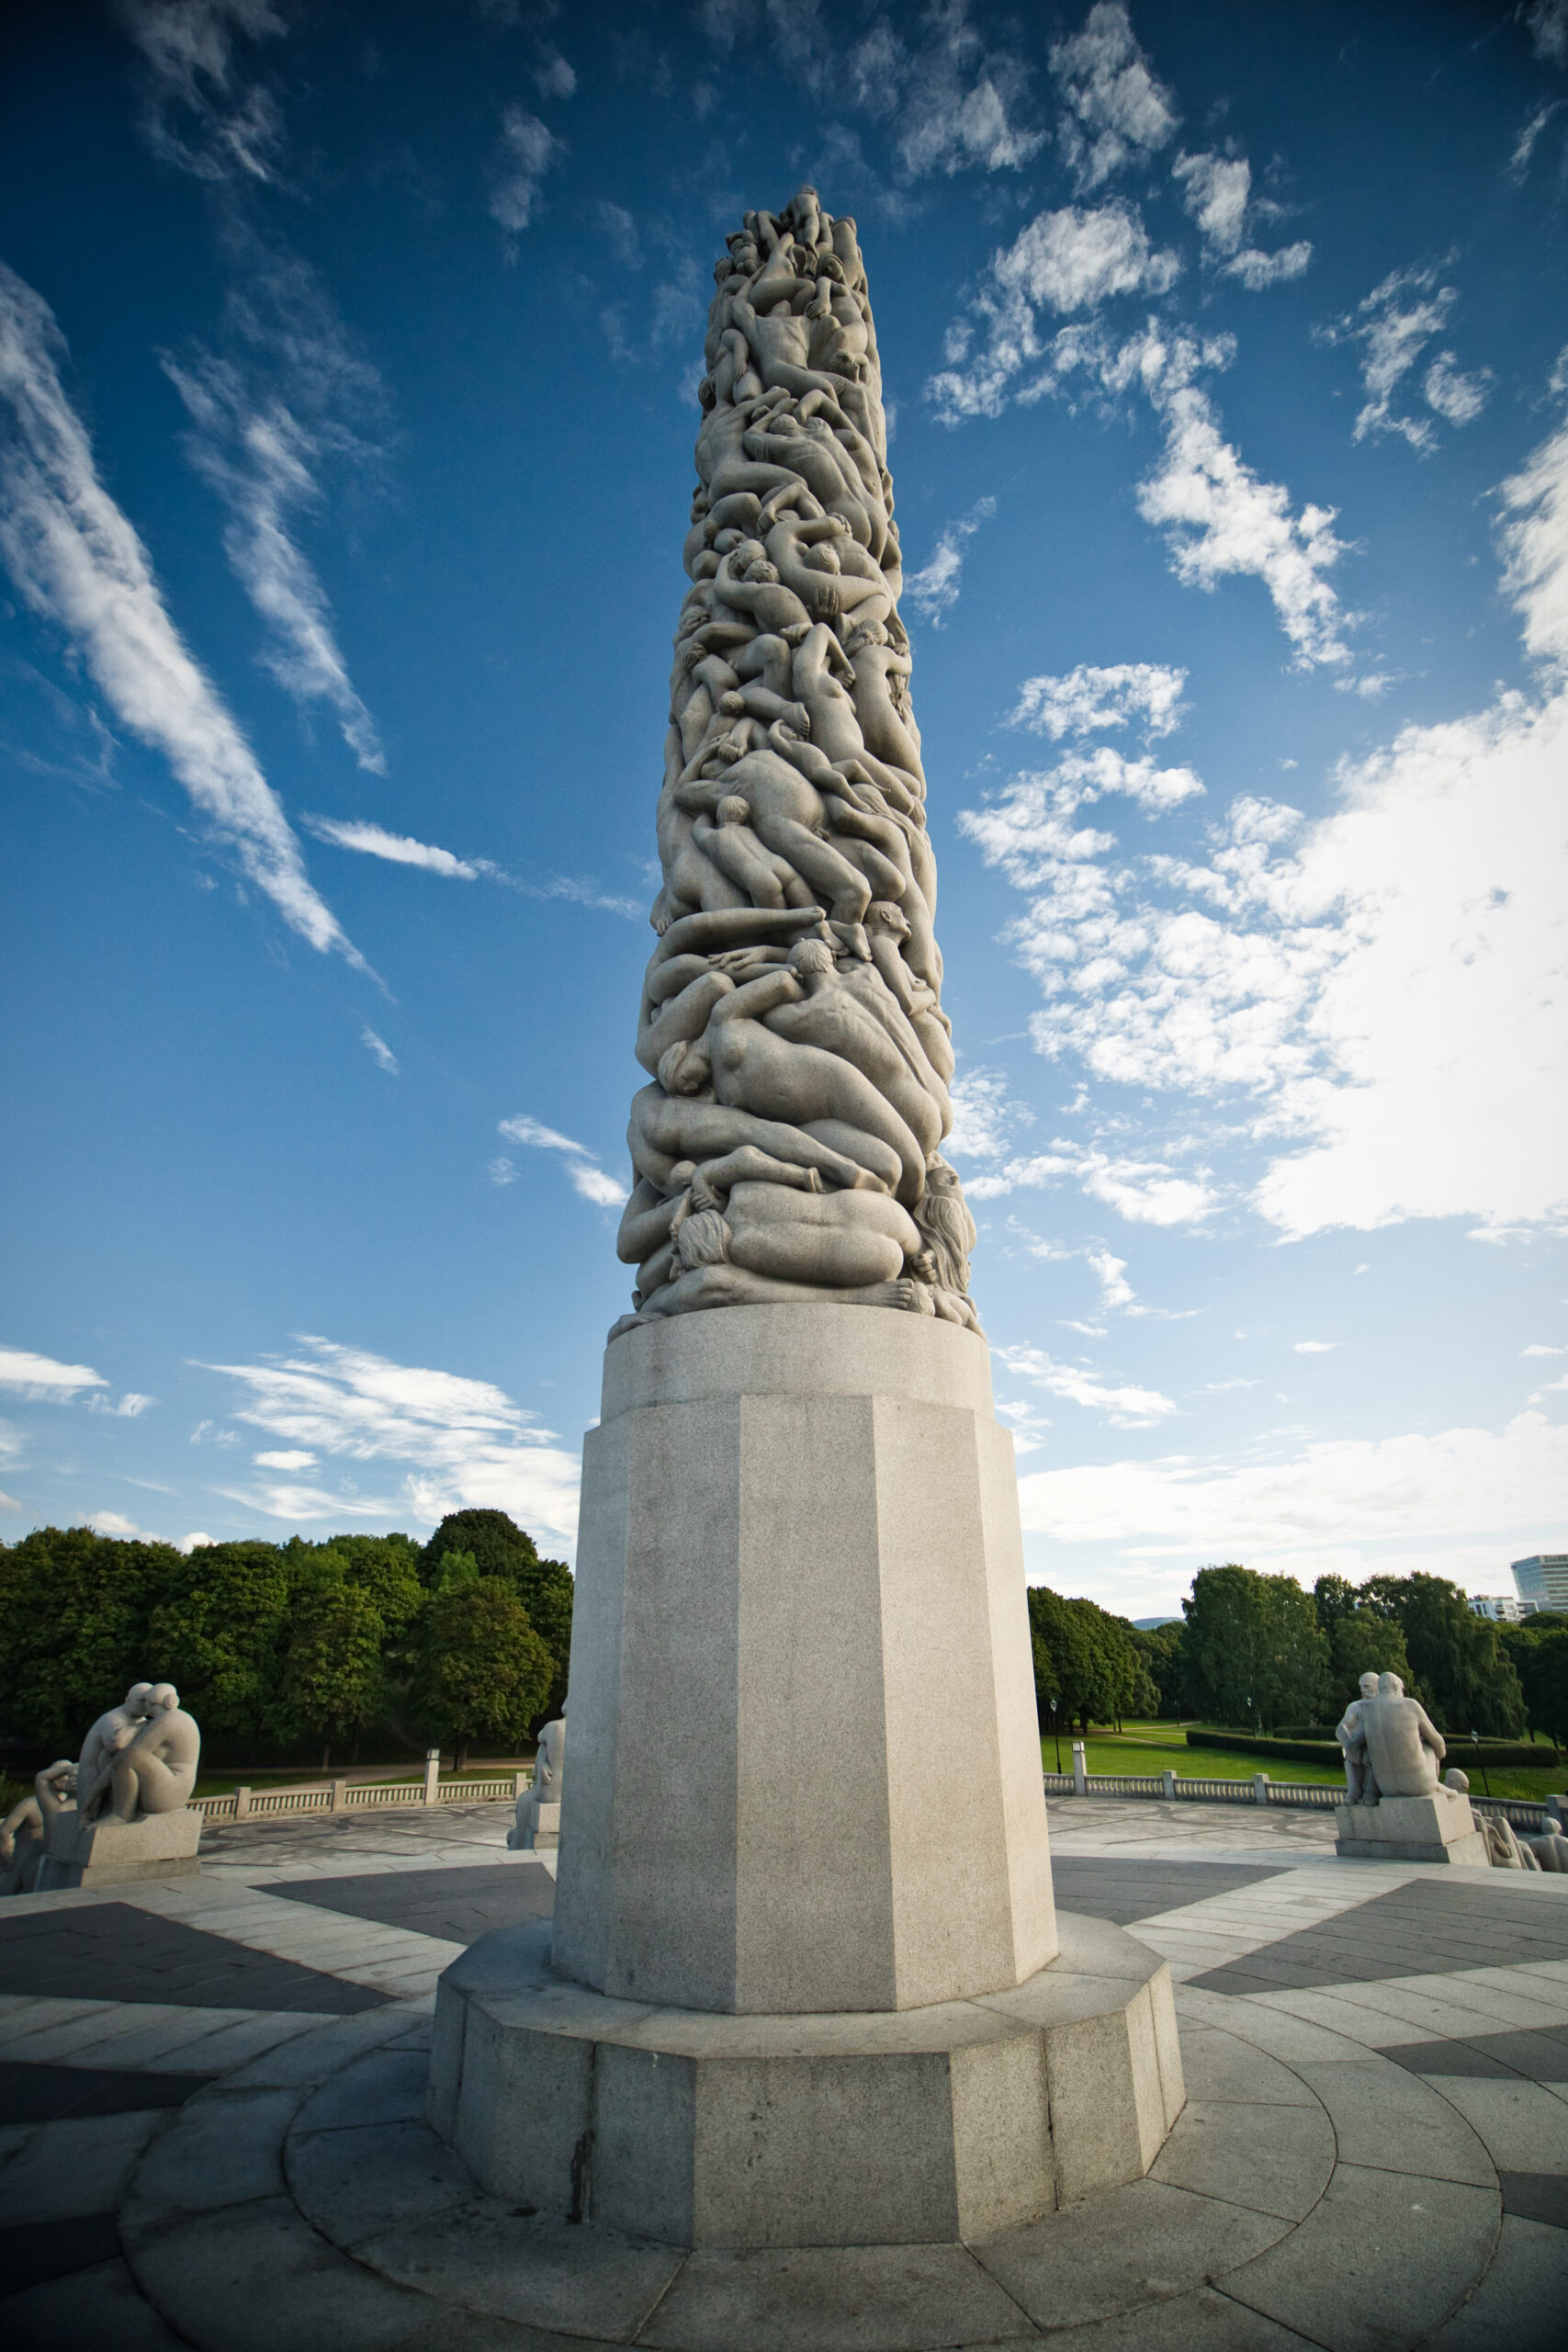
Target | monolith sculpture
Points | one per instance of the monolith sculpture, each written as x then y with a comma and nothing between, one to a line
806,1983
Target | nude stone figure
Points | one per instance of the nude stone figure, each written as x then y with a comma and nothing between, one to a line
1404,1747
1360,1781
155,1770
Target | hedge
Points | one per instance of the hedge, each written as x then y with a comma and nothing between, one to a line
1505,1754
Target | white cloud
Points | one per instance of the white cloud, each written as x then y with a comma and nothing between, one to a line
501,1171
1345,1492
131,1406
555,78
1115,1289
1548,21
1529,133
114,1522
197,1542
587,1177
1393,325
1089,698
529,150
1075,260
285,1460
934,589
40,1377
1356,978
1216,191
194,115
1536,1350
264,460
398,849
1315,1346
1257,270
462,1443
77,563
1126,1408
1115,110
984,1115
1220,518
380,1052
1535,548
1146,1192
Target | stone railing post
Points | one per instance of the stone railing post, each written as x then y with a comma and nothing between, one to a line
1260,1787
1081,1771
520,1781
338,1788
241,1804
433,1776
1170,1779
1557,1814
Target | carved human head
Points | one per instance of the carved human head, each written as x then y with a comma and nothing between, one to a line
704,1239
136,1698
733,810
1390,1687
886,914
684,1069
1368,1686
163,1698
811,955
1454,1779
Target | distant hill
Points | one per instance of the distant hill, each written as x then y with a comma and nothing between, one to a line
1152,1624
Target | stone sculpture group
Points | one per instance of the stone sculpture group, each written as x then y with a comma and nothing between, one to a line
1396,1806
787,1148
119,1811
538,1824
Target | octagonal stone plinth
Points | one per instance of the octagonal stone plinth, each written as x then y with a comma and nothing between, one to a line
889,2127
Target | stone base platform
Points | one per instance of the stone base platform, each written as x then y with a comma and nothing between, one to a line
107,1852
1436,1827
908,2127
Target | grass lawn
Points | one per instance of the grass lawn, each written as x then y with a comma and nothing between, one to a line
1159,1747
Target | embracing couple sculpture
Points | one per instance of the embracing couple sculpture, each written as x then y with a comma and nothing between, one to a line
138,1762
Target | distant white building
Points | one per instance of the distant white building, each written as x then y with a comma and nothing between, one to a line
1502,1606
1542,1580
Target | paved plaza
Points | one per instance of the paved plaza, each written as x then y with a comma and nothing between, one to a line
211,2129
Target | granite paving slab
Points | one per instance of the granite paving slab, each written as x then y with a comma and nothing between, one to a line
1430,1925
45,2094
458,1906
1122,1891
118,1951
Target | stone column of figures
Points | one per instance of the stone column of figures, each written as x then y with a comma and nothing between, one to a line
787,1146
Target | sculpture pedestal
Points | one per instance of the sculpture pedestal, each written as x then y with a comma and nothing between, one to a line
892,2127
1436,1827
543,1832
805,1981
107,1852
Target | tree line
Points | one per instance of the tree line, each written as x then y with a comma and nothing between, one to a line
1261,1653
353,1640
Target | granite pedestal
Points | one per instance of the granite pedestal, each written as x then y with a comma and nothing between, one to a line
1436,1827
805,1983
108,1852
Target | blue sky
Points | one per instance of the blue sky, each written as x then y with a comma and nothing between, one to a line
348,369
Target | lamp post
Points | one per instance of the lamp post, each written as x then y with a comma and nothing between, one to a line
1055,1735
1476,1742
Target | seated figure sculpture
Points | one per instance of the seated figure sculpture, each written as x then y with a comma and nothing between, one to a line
151,1768
1403,1744
1505,1850
1360,1779
527,1831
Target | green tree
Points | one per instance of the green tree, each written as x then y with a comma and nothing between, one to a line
1465,1671
501,1548
76,1609
1364,1643
1160,1649
1254,1650
221,1624
483,1672
333,1682
1538,1651
1085,1659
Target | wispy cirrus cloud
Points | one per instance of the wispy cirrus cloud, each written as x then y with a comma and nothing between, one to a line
403,849
42,1378
286,399
581,1165
200,112
77,562
933,590
1217,192
458,1442
1125,1405
528,149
